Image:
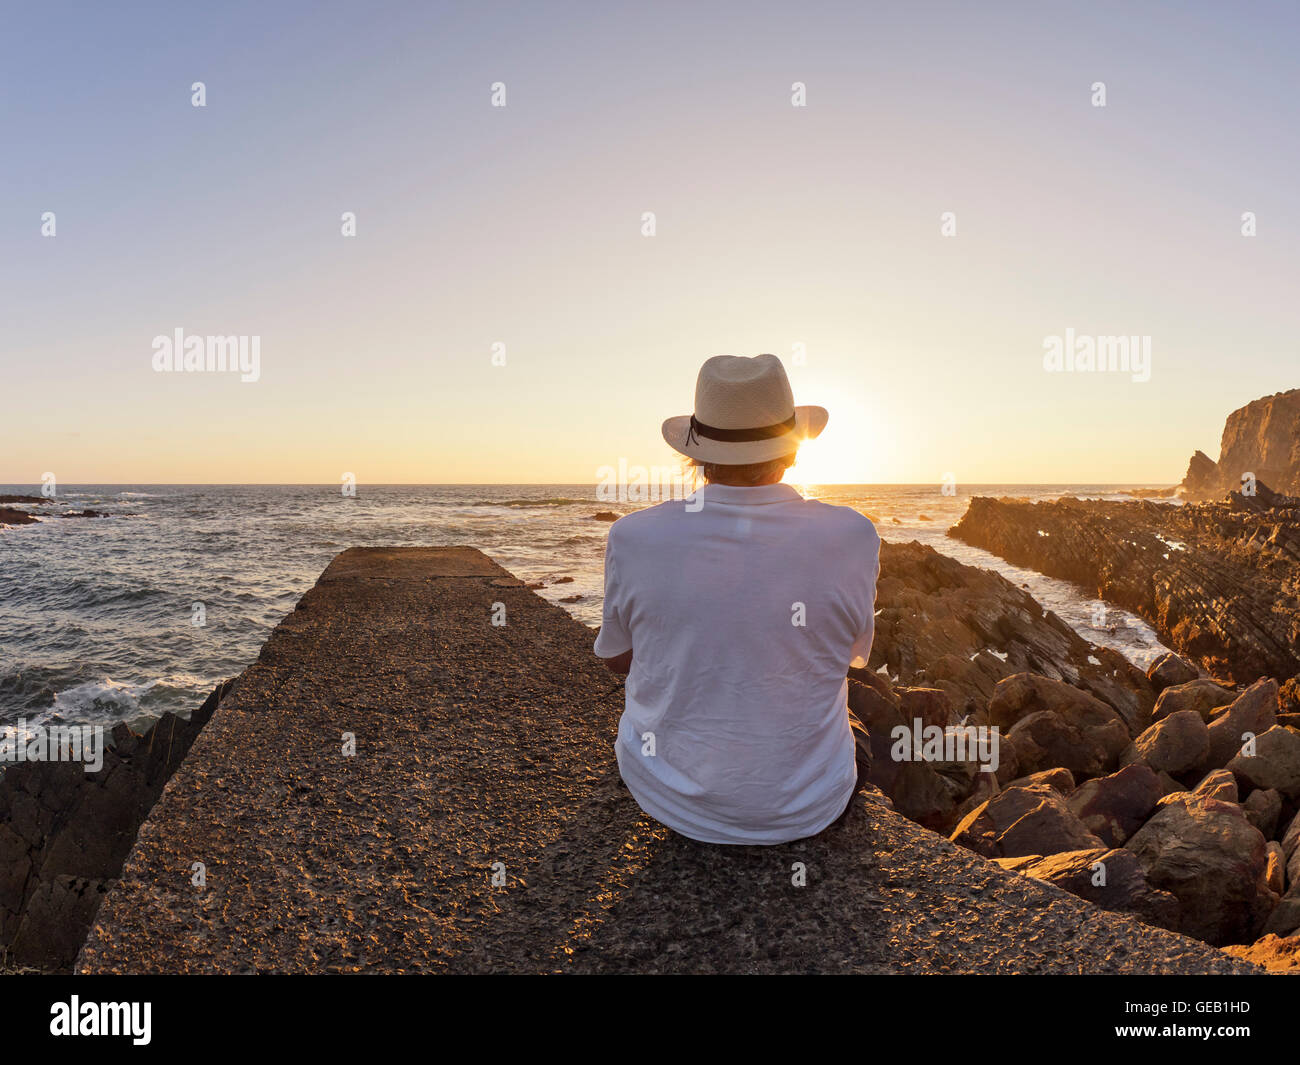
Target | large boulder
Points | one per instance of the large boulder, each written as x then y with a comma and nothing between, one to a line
1176,744
1024,821
1274,763
1022,694
1114,807
1214,861
1253,711
1170,669
1112,879
930,706
1060,779
1199,695
1218,784
1263,810
1285,918
921,791
1055,725
1291,850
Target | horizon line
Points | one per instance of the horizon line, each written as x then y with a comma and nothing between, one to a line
550,484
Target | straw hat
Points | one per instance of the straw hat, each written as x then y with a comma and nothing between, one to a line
744,412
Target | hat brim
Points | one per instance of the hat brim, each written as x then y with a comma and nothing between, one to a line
809,421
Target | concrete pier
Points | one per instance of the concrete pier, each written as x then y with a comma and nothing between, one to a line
480,826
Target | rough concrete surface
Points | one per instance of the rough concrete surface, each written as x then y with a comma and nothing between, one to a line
478,745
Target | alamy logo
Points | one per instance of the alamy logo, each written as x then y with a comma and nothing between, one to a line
102,1018
956,743
53,743
640,484
220,354
1094,354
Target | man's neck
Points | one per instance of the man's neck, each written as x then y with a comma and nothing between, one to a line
776,479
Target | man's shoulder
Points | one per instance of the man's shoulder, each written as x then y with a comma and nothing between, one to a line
645,521
845,521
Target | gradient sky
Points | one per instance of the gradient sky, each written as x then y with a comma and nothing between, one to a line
776,226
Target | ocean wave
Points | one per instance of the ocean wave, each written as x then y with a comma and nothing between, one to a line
559,501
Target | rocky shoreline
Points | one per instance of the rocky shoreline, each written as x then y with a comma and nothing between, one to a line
480,825
1183,811
1190,822
1124,788
64,834
1218,580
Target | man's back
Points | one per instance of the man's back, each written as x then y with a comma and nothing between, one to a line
742,616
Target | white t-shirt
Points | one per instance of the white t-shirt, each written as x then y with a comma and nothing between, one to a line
742,616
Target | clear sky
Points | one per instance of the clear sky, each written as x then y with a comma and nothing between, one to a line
776,226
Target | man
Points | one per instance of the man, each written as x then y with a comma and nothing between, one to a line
736,616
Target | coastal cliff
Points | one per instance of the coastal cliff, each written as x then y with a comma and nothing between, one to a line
1260,439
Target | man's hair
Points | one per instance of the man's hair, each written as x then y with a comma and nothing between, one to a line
748,473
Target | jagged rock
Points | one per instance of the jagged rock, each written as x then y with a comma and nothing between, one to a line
1214,861
1263,807
1112,879
1170,669
64,834
939,623
1216,580
1285,918
1023,821
1260,439
1290,843
919,790
1276,870
1044,740
930,706
1114,807
1175,744
9,516
1201,695
1274,765
55,920
1009,763
1218,784
986,786
1168,785
1060,779
1253,711
1053,725
1203,480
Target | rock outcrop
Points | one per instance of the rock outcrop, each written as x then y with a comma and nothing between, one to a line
1218,581
942,624
1112,879
64,834
1260,440
1214,861
10,516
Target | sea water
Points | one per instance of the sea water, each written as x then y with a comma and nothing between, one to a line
146,610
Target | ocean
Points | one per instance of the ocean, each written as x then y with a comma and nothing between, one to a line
98,617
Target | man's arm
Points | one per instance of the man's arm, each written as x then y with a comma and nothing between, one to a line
620,664
613,633
862,645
